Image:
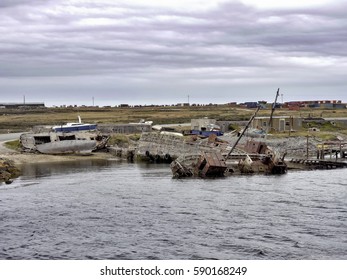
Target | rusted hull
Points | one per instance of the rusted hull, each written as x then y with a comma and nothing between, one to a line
208,165
257,167
212,166
181,170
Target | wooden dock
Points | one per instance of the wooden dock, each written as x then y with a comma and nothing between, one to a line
332,149
312,164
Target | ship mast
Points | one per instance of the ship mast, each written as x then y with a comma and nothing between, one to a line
243,132
272,112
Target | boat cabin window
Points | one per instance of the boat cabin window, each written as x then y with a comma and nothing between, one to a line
69,137
42,139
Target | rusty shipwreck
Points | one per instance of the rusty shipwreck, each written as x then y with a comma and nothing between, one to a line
253,157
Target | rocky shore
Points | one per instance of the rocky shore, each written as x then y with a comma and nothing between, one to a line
294,147
8,170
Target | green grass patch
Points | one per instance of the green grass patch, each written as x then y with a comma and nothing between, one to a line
134,137
325,126
123,140
13,145
118,140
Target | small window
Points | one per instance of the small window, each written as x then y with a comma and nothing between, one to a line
42,139
70,137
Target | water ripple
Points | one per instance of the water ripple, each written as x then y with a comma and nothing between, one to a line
124,211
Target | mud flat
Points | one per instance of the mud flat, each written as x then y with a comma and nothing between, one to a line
23,158
11,163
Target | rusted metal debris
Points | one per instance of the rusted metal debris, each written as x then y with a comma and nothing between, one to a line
180,170
265,164
261,159
207,165
257,157
210,164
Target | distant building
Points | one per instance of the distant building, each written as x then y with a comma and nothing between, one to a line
232,104
251,105
279,123
333,104
202,124
182,104
21,105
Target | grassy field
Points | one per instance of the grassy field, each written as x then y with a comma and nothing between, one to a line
16,120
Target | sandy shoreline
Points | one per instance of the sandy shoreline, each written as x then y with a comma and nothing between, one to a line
11,161
25,158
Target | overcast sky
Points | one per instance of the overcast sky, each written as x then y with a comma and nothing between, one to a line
159,52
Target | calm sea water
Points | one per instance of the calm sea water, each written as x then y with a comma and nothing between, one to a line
111,210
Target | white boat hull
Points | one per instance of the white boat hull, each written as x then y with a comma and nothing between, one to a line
67,147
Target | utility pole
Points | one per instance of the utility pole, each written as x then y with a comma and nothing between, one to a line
24,99
93,100
188,99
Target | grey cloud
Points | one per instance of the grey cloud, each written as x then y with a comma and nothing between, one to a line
233,44
10,3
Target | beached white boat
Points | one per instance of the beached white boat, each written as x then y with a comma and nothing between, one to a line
63,143
67,147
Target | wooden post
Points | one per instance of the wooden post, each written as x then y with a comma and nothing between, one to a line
307,147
